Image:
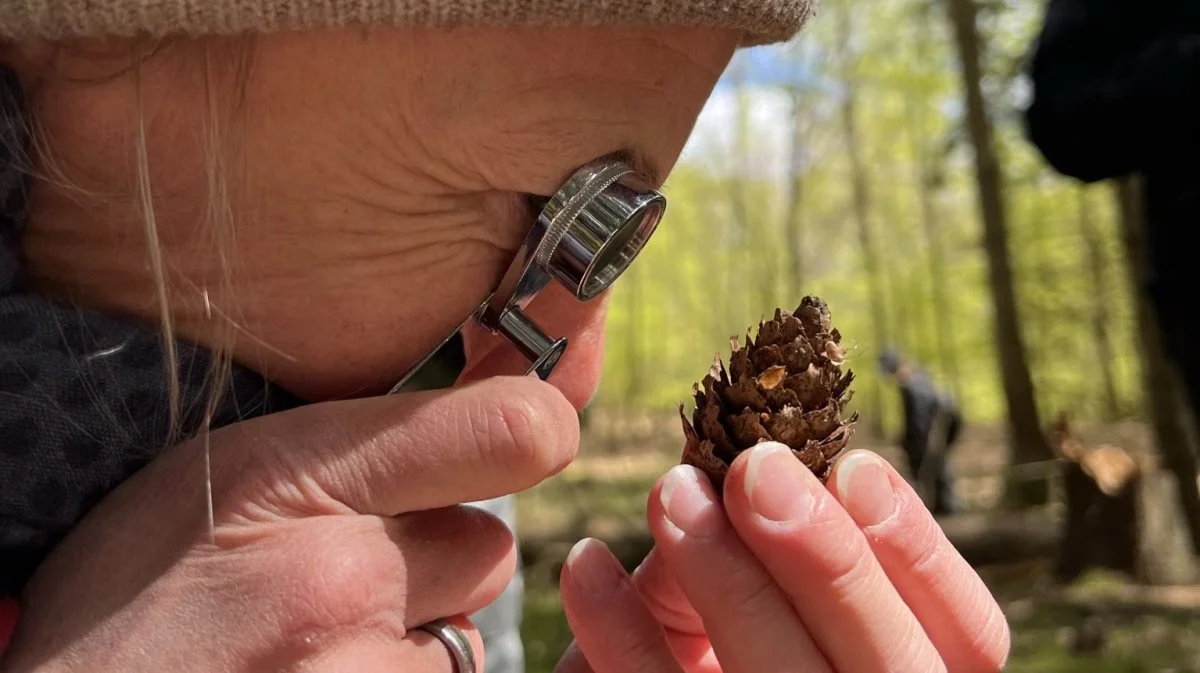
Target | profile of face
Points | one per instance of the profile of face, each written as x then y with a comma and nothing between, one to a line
331,204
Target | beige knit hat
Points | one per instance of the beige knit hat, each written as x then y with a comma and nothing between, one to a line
763,21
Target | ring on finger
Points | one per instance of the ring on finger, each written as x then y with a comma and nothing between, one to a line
455,640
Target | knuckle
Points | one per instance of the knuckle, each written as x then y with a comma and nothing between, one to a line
925,559
257,475
632,648
515,421
835,551
272,482
915,543
522,433
851,575
752,590
337,583
989,650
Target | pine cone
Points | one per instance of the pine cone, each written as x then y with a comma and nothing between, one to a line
786,386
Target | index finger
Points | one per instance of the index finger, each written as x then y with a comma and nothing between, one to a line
952,603
821,560
614,631
401,453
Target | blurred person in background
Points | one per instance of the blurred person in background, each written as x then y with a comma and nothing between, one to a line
932,422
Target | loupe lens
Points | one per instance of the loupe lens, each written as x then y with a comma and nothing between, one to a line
619,252
609,231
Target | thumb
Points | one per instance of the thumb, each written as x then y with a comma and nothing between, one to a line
401,453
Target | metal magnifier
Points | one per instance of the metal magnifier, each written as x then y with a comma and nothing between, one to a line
585,236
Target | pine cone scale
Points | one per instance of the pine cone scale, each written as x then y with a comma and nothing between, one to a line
784,385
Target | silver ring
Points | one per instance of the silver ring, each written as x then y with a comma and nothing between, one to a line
455,640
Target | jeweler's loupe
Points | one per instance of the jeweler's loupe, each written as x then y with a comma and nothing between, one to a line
585,236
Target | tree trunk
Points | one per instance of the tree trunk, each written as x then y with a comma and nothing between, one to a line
735,231
927,199
794,199
1026,442
862,213
1127,523
1169,414
894,298
760,262
943,321
633,339
1097,263
1037,308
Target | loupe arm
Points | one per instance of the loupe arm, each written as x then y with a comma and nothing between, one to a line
585,236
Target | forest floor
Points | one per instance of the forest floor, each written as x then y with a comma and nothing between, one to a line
603,493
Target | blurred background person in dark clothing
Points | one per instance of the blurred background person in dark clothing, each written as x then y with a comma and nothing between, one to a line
932,421
1116,93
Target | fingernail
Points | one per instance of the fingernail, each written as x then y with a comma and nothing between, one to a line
593,567
777,485
864,488
690,502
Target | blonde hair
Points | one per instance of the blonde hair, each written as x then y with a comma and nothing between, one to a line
225,65
220,114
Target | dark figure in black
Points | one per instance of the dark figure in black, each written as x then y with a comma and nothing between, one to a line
1116,93
932,422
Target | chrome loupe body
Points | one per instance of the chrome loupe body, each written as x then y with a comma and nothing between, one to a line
585,236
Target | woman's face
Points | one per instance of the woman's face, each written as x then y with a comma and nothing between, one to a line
375,182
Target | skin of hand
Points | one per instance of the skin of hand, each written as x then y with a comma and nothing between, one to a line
786,575
337,534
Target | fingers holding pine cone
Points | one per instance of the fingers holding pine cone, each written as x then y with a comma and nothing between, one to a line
786,386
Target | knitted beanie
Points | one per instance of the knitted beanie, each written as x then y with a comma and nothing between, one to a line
762,21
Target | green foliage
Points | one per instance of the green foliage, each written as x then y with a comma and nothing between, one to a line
723,258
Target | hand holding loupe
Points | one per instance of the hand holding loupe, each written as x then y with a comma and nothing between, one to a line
585,236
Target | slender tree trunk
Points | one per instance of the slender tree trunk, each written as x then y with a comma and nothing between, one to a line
1165,403
1097,263
794,199
895,297
943,320
760,268
735,228
862,212
1039,309
1027,444
633,337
